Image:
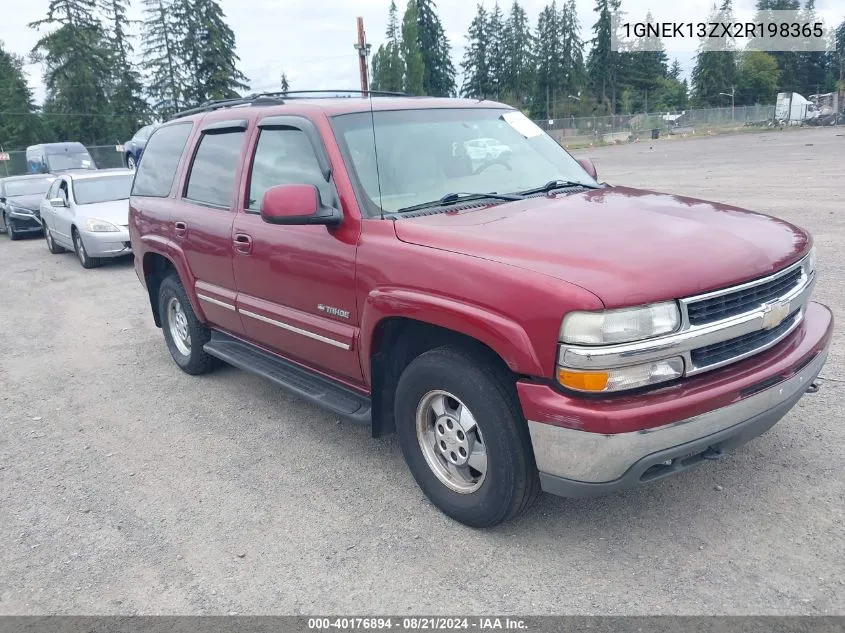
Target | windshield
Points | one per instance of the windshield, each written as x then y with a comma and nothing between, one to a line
28,187
425,154
93,190
70,160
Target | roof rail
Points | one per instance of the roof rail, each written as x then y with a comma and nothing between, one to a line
278,98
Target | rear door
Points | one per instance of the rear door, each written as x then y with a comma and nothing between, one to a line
296,284
203,218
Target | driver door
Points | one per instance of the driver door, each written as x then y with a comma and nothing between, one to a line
61,216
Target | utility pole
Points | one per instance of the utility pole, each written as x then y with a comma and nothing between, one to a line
731,94
363,56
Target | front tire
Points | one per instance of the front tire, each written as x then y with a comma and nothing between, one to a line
10,230
184,334
81,254
130,162
51,243
464,438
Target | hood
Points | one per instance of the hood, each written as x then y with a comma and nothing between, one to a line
31,202
627,246
114,211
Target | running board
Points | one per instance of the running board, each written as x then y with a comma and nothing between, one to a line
314,388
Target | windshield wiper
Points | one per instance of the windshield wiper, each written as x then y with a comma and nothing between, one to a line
555,184
460,196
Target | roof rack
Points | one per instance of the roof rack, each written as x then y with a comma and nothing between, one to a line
278,98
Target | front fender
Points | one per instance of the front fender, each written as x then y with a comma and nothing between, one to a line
501,334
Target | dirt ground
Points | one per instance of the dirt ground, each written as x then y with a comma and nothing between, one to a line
129,487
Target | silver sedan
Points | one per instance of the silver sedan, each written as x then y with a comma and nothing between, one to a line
88,213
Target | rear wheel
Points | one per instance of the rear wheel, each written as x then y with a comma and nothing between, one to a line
130,162
464,438
184,334
82,254
51,243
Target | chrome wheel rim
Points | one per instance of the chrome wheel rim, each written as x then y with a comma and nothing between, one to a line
451,441
177,321
80,248
130,163
49,238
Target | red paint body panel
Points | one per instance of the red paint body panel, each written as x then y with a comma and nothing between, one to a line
504,275
688,398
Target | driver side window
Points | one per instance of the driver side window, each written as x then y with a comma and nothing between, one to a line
284,156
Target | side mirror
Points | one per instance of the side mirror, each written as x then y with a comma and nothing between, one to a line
297,204
57,202
588,166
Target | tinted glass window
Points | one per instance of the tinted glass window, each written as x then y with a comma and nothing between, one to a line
212,177
92,190
144,133
28,187
284,157
161,158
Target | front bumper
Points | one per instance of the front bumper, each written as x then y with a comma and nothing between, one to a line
24,222
107,244
730,409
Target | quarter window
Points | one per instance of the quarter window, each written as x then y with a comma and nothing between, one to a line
284,156
212,177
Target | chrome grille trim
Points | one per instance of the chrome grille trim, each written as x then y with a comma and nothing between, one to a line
691,337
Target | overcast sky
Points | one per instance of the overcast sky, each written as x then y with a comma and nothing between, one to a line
311,40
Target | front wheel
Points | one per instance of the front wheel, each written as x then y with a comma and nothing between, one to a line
184,334
51,243
10,230
464,438
130,162
84,259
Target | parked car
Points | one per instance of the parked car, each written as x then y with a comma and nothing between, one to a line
20,199
482,149
134,147
519,326
88,214
55,158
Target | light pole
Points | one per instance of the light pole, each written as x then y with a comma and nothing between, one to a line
731,94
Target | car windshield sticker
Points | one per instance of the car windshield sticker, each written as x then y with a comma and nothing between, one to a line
522,124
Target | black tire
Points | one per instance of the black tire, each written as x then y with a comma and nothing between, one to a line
511,482
3,228
81,254
197,361
131,163
51,243
10,231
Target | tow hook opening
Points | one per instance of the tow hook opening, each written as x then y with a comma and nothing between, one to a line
813,388
712,453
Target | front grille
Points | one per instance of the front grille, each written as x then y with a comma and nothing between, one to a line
735,347
741,301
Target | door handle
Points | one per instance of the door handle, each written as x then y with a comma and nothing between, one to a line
243,243
181,229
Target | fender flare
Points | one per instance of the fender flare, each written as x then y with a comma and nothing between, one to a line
170,250
504,336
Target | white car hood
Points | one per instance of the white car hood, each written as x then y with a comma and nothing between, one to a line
114,211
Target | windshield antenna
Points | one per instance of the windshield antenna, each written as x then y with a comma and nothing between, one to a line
375,152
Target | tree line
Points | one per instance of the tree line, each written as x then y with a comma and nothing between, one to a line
96,91
551,69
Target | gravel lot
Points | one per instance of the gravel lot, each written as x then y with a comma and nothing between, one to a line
127,486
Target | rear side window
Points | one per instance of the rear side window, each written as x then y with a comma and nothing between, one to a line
212,177
161,158
284,157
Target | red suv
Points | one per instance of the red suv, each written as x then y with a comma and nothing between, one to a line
517,323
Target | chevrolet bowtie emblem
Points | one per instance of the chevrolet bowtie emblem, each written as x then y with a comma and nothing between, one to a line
774,314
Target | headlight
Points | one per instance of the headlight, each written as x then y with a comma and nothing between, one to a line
100,226
20,210
622,378
810,262
620,326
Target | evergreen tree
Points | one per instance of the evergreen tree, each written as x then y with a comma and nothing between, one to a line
438,69
572,49
675,70
162,34
19,121
812,66
788,61
604,66
715,70
647,68
77,58
518,71
388,67
495,50
837,59
476,63
284,84
127,96
208,50
411,55
757,78
550,74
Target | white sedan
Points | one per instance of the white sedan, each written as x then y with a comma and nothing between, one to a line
481,149
88,213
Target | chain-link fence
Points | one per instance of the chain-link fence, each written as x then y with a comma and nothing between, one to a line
626,127
105,156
